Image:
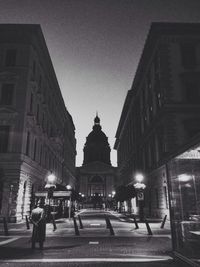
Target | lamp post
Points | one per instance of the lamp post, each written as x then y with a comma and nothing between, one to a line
113,200
139,186
50,186
69,188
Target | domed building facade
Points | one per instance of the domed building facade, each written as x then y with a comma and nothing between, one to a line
96,176
97,147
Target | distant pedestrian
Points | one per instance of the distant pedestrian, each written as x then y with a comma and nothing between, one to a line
39,225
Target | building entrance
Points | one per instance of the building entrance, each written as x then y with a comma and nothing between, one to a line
96,187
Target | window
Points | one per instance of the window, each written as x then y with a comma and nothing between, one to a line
41,154
43,120
156,63
38,114
166,197
27,144
157,198
7,94
31,103
192,127
4,137
188,55
10,59
34,68
35,149
40,82
192,91
1,192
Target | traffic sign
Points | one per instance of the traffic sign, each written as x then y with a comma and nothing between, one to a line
140,196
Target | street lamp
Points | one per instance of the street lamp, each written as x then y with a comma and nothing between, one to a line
50,186
113,193
69,188
139,186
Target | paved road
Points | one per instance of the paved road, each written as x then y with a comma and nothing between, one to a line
129,247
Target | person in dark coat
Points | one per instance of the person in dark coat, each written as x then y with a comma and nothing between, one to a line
39,226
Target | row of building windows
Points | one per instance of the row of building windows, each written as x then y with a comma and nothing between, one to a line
41,117
149,100
10,58
7,94
158,199
48,122
151,153
40,153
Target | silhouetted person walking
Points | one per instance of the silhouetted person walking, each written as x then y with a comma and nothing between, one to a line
39,226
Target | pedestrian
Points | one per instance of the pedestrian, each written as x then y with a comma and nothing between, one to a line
39,225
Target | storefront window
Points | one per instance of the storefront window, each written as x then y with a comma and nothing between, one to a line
184,177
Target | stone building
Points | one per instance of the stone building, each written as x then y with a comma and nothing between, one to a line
161,111
37,134
97,177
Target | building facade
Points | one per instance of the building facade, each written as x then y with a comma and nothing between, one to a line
160,118
37,134
97,177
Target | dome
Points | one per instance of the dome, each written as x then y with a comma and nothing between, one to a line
96,147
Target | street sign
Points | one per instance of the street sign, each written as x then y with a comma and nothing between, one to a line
140,196
41,194
62,193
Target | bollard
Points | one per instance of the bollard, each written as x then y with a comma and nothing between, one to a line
148,228
80,222
5,225
76,227
135,221
109,225
27,223
163,222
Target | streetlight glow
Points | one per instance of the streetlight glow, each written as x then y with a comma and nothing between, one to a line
113,193
51,178
139,177
68,187
184,178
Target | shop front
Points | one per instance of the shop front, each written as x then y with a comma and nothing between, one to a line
184,187
58,205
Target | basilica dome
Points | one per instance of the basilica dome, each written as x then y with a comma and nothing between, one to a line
96,147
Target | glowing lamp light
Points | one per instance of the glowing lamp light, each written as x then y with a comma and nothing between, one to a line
68,187
139,177
51,178
109,195
184,178
82,195
113,193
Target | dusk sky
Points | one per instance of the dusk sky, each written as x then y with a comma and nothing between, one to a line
95,46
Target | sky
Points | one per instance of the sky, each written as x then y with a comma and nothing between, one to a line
95,47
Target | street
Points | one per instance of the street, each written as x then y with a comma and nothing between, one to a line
93,245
